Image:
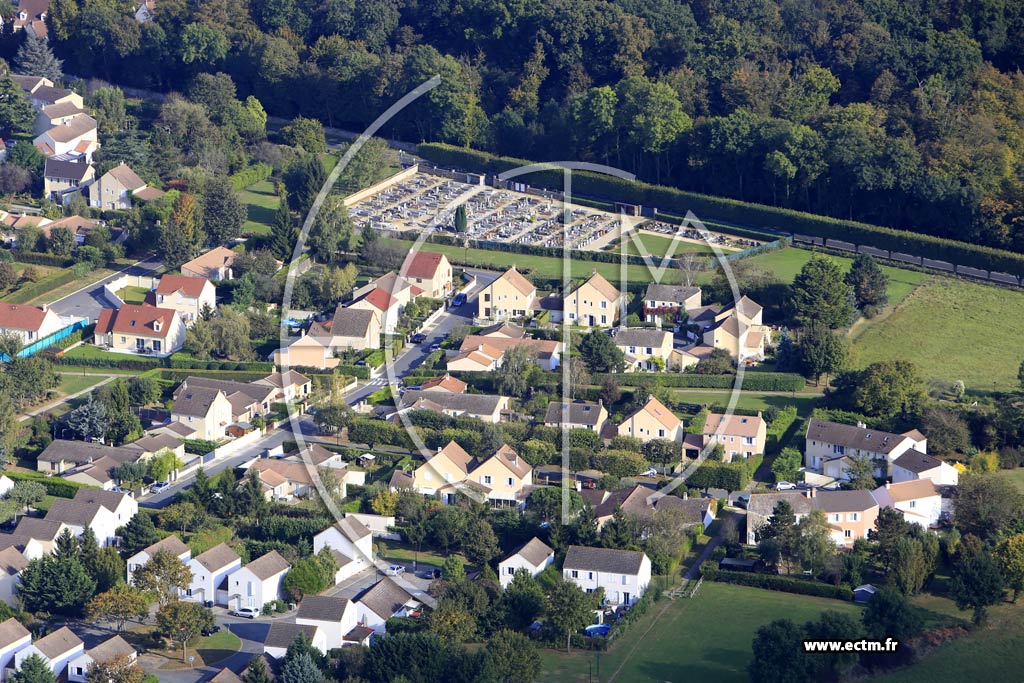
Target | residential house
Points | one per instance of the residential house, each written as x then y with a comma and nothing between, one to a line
827,443
743,342
623,574
213,265
282,479
394,285
109,651
31,18
6,484
595,303
741,436
449,465
644,349
382,601
446,383
50,115
258,582
35,537
13,638
80,515
29,323
334,616
283,634
356,329
351,543
100,473
479,353
291,386
509,296
577,414
151,445
206,411
142,329
247,399
62,455
56,649
850,514
919,500
429,271
307,351
40,91
79,226
144,10
761,507
669,303
12,561
484,407
644,503
61,179
172,544
210,572
534,556
652,421
186,295
388,308
504,330
505,475
122,505
75,138
914,465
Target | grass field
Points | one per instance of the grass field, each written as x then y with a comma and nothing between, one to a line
952,329
659,246
133,295
207,651
707,637
1015,477
262,202
749,400
786,263
71,287
539,266
993,653
72,384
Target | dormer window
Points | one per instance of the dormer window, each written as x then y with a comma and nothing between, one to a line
23,15
158,325
131,324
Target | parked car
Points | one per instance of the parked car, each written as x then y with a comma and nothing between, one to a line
459,299
650,472
418,338
588,483
210,631
785,486
435,346
395,570
118,489
247,612
160,487
742,500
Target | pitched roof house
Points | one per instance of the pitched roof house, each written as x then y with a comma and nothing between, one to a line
62,178
828,442
449,465
429,271
663,302
356,328
577,414
644,349
140,329
533,557
185,294
172,544
205,411
75,137
110,650
484,407
652,421
919,500
446,383
13,638
29,323
56,649
210,572
259,582
12,562
509,296
335,616
624,574
351,543
214,265
595,303
741,436
383,600
282,634
915,465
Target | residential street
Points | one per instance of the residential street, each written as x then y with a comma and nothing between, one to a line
89,301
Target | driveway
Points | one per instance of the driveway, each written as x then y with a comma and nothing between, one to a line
89,301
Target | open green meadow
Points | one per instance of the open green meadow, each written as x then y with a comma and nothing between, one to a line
749,400
952,330
703,638
262,201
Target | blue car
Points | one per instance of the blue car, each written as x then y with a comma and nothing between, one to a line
459,300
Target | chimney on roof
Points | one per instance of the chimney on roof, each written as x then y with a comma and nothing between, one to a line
812,492
686,496
888,484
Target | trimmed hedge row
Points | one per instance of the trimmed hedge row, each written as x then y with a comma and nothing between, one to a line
250,176
43,259
732,210
752,381
774,582
55,486
26,293
180,360
140,363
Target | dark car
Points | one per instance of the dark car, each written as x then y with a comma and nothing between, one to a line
210,631
418,338
459,299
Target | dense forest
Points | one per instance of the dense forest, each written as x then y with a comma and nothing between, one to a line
907,113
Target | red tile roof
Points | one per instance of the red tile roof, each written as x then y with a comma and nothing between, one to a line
135,319
189,286
381,299
21,317
423,264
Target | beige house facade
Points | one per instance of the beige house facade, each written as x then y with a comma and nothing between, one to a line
431,272
186,295
510,296
652,421
595,303
140,329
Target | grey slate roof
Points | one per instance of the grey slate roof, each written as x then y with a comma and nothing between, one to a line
65,170
534,551
674,293
322,608
852,436
844,501
640,336
268,565
352,529
916,461
217,557
81,452
171,544
195,401
476,404
73,512
580,412
605,560
764,503
108,499
57,643
282,634
351,322
11,631
385,598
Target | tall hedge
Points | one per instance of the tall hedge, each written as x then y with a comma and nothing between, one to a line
55,486
775,582
250,176
752,381
26,293
745,213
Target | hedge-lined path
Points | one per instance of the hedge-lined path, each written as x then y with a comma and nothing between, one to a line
47,407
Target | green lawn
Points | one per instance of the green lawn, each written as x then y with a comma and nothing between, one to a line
953,330
659,246
786,263
262,202
706,638
1015,477
72,384
539,266
993,653
133,295
748,400
398,551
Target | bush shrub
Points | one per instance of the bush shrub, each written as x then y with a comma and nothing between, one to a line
774,582
62,488
199,446
752,381
250,176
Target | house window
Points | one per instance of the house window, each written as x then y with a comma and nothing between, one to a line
590,575
854,517
623,579
604,305
157,345
661,433
487,296
834,517
913,504
572,316
749,440
124,340
486,479
510,482
649,350
510,570
604,320
848,533
427,476
249,589
575,574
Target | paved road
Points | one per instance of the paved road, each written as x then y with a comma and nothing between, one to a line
89,301
275,438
